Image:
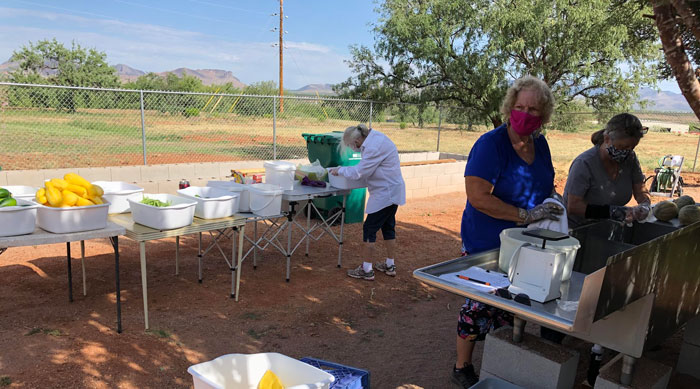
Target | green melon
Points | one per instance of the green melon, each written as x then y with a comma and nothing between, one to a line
683,201
666,210
689,214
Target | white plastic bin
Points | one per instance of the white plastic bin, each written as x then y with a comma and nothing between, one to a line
212,203
19,219
265,199
341,182
72,219
21,191
179,214
244,371
241,189
118,192
512,238
280,173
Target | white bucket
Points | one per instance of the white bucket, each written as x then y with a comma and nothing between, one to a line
212,203
265,199
117,193
244,371
513,238
241,189
341,182
280,173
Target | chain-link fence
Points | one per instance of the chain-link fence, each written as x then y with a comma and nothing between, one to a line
67,127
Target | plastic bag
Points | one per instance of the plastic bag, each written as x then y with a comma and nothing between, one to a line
313,171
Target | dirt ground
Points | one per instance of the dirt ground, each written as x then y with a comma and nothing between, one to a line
401,330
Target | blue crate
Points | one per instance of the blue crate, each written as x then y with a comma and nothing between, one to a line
346,377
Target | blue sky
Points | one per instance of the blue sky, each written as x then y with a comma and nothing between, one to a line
201,34
159,35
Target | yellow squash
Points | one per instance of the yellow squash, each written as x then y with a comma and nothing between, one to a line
53,195
77,180
95,191
79,190
83,202
59,183
69,198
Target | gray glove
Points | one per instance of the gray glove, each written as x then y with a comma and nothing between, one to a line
549,211
641,211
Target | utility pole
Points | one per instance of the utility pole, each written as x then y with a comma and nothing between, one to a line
281,61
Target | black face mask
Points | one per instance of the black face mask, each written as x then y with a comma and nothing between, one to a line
617,155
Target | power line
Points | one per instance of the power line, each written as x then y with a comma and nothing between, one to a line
227,6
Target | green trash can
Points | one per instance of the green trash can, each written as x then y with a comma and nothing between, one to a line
325,148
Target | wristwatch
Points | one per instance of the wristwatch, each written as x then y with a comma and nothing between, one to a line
522,214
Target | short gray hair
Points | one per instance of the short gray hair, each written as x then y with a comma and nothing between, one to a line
531,83
353,133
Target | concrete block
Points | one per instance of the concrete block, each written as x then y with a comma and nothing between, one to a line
444,180
647,374
458,157
692,332
126,173
95,173
206,170
181,170
432,155
407,157
689,360
428,181
56,173
408,172
3,178
25,177
533,363
199,181
154,173
148,186
168,186
225,169
421,171
458,179
413,183
420,193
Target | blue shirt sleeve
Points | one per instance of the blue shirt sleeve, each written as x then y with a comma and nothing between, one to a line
484,161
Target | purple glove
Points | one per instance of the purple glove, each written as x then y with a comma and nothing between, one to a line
317,184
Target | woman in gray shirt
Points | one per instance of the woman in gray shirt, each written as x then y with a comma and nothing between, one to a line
603,179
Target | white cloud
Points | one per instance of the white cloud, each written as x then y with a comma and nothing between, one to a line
157,48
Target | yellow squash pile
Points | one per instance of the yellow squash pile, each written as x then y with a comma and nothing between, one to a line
71,191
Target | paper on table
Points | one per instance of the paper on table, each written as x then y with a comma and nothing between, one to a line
497,280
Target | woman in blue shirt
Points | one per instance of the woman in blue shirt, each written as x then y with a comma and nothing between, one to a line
509,174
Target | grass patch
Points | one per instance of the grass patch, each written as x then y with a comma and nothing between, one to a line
5,381
45,331
251,316
163,334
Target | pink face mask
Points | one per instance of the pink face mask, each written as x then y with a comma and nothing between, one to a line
523,123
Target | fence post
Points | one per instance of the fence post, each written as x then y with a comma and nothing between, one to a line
696,154
370,114
143,130
274,128
439,126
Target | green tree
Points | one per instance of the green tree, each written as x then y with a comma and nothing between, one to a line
467,51
50,62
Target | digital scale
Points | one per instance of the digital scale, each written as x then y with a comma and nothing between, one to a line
536,271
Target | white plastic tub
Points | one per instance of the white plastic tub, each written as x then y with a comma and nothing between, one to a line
244,371
265,199
280,173
512,238
22,191
212,203
118,192
241,189
179,214
72,219
341,182
19,219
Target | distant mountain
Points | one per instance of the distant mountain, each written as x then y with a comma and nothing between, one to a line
8,67
127,73
663,101
311,89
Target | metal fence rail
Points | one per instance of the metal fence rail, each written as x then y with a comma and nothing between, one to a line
45,126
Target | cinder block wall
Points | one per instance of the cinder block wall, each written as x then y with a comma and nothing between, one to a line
421,180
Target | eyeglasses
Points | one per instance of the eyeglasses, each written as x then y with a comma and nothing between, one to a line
645,130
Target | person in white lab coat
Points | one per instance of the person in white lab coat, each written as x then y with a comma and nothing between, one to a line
381,170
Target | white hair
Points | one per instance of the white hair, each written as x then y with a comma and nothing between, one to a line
352,134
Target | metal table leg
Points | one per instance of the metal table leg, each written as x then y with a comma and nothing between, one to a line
255,245
177,255
627,369
144,283
342,224
234,262
518,329
308,225
241,235
70,274
199,256
82,263
115,245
